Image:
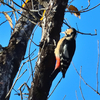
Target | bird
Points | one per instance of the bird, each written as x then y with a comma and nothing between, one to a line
65,50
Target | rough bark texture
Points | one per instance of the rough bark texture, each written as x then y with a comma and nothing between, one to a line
12,55
51,27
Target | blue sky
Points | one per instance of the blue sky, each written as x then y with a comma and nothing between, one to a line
86,54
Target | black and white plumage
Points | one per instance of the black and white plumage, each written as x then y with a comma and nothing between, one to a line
64,50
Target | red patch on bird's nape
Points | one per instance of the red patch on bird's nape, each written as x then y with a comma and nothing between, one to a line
57,63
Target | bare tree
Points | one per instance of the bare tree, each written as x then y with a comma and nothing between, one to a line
12,55
49,15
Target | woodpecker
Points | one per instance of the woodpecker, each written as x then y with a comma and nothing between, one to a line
64,50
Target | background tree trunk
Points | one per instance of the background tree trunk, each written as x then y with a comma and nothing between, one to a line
12,55
51,27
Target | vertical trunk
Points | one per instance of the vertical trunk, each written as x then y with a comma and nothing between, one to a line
51,27
12,55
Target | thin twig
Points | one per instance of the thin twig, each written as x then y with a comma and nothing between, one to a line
29,78
66,21
66,24
84,10
14,12
3,22
76,95
29,51
70,2
80,83
34,42
16,91
97,64
21,94
82,32
19,12
64,97
77,27
84,80
87,6
24,84
9,11
87,33
90,8
15,81
54,88
30,54
30,62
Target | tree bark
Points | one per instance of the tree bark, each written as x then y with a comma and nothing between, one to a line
12,55
51,27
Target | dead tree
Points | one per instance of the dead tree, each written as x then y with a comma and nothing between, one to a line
12,55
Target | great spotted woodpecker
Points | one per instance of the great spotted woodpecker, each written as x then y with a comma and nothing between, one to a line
64,50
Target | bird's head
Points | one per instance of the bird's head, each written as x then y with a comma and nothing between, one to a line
71,33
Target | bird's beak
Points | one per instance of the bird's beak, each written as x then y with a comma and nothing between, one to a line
63,32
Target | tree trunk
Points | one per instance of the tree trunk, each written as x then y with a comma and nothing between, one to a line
51,27
12,55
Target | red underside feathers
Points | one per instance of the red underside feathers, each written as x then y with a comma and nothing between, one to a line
57,63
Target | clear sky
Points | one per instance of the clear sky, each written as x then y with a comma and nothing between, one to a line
86,54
